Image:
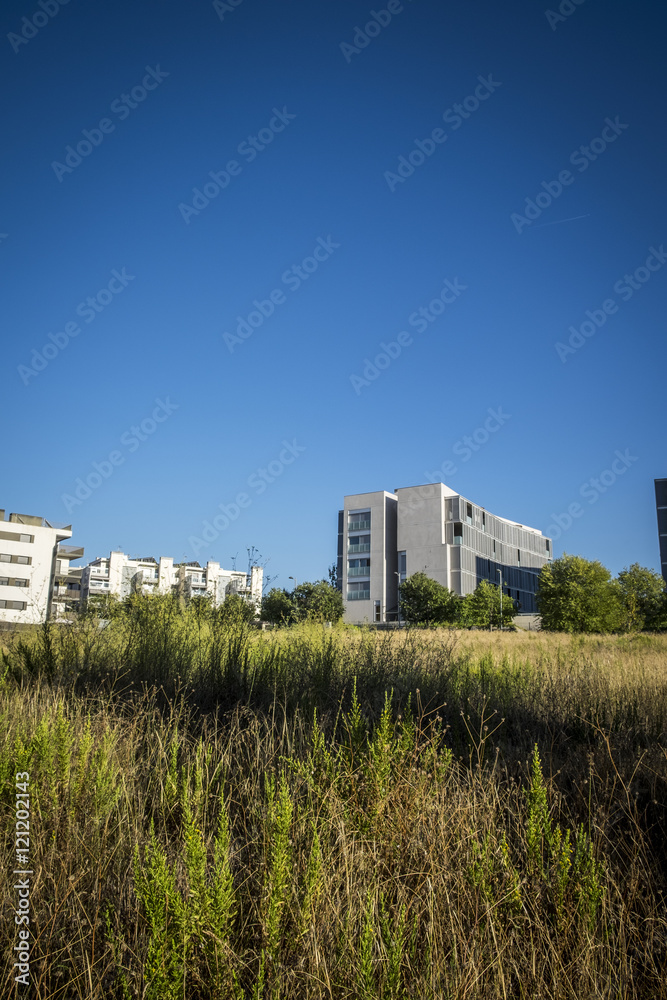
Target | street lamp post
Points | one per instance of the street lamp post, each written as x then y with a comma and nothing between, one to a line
293,578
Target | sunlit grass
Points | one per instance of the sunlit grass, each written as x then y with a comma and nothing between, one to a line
336,812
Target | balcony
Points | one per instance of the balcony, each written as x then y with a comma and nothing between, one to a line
70,551
359,595
364,547
359,525
359,571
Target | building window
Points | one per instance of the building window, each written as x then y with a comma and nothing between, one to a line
23,560
547,543
469,513
518,556
402,567
359,521
20,583
360,543
458,533
4,581
13,605
358,592
359,567
483,521
11,536
378,611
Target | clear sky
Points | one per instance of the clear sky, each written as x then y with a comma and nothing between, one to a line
215,217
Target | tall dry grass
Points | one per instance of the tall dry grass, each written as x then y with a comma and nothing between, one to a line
337,813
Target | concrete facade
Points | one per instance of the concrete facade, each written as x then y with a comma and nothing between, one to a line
434,530
33,563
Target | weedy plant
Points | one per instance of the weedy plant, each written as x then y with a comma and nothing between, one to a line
217,813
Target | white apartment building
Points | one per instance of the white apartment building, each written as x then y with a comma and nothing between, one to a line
34,569
121,576
383,538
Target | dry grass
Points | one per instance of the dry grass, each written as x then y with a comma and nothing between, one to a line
219,815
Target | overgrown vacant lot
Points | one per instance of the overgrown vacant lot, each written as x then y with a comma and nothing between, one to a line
217,812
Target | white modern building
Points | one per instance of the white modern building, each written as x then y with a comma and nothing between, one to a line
121,576
383,538
35,569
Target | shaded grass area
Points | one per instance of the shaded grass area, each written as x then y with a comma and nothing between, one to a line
217,812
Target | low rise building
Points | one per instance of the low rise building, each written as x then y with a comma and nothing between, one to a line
120,576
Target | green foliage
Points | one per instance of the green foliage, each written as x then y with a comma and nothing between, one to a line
577,595
279,813
235,610
424,601
644,597
570,875
313,602
278,607
155,885
318,602
189,905
538,825
482,608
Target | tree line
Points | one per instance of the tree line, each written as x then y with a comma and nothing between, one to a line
573,595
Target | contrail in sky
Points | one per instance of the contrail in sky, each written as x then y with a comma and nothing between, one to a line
561,221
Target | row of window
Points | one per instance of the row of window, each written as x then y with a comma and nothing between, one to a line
14,605
8,581
12,536
5,557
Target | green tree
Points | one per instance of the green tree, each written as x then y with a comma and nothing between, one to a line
424,601
644,597
234,609
577,595
482,607
318,602
278,608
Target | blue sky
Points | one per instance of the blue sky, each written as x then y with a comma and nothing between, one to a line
533,200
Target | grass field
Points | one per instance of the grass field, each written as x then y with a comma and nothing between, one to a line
220,812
